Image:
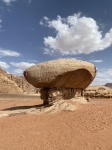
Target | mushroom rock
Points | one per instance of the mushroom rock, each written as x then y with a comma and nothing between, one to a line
61,79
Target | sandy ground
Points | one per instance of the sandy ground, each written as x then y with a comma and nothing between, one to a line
89,127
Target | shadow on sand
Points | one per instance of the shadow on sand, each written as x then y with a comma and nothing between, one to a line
24,107
27,107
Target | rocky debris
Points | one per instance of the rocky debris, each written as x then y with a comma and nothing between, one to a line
108,85
60,79
13,84
98,92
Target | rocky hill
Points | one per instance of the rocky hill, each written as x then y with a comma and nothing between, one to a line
10,83
108,85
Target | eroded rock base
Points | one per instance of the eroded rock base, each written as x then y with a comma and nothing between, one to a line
51,95
55,100
58,106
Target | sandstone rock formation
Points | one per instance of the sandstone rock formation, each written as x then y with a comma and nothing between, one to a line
13,84
98,92
61,79
8,86
22,84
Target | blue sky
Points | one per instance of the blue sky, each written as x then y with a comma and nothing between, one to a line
34,31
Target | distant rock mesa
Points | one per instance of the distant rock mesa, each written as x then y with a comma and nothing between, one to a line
108,85
98,92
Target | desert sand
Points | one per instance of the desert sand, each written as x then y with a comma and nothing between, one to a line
89,127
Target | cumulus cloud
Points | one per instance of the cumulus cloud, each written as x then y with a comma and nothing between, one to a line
18,71
75,34
96,61
4,65
21,66
4,52
8,2
103,76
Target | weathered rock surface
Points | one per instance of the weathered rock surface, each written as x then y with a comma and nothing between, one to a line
61,73
13,84
98,92
53,94
61,79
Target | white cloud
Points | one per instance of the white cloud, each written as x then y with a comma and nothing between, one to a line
75,34
8,2
29,2
103,76
96,61
3,65
4,52
18,71
21,66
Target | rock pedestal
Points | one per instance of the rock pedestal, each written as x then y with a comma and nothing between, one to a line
50,96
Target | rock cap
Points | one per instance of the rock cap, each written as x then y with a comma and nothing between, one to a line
61,73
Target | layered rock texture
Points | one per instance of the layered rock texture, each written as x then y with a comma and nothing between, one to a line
61,79
13,84
98,92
